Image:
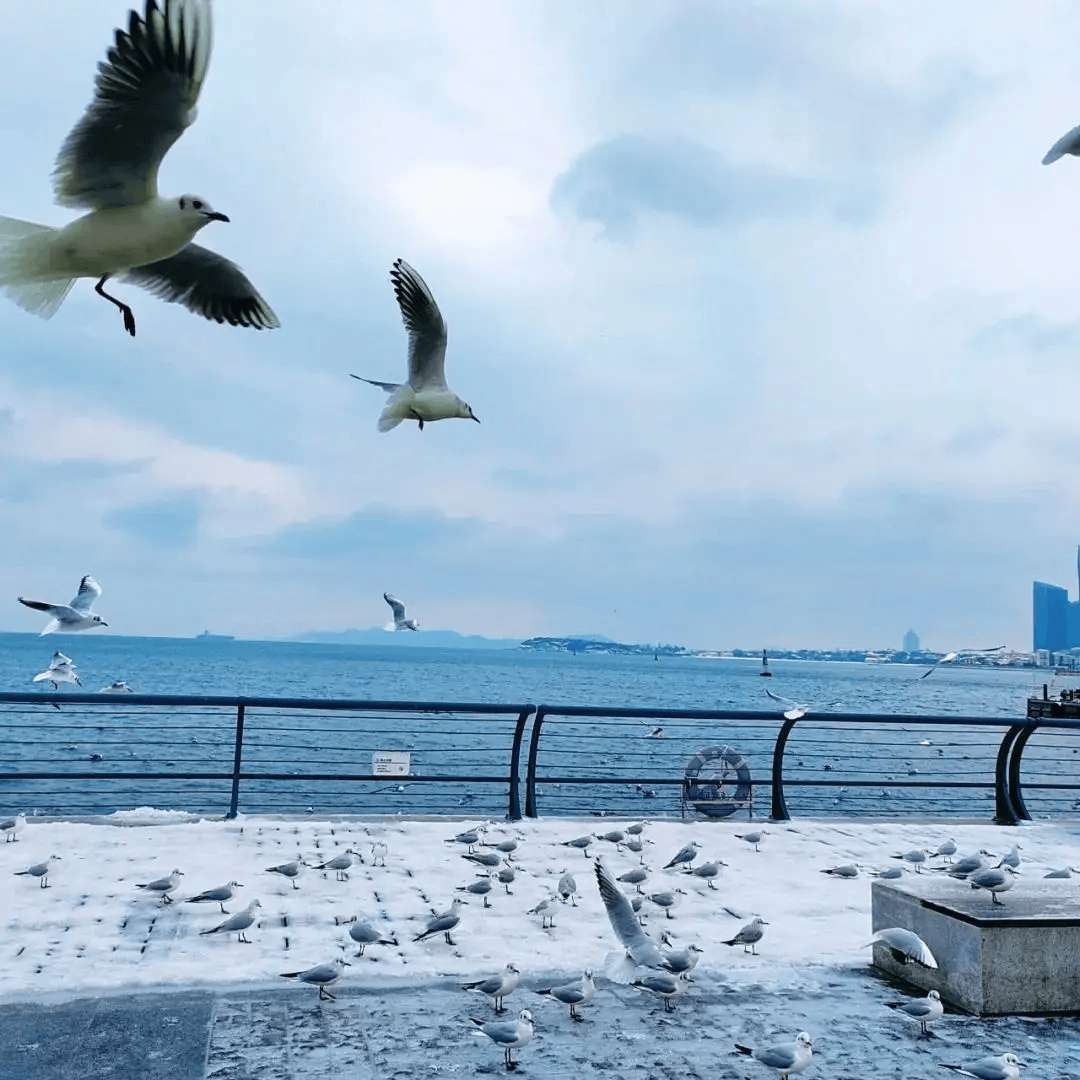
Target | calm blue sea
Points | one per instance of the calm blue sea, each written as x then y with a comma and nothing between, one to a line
292,669
459,760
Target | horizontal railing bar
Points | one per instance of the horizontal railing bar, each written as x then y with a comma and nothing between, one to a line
314,704
251,776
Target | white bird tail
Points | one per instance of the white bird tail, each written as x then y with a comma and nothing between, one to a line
23,250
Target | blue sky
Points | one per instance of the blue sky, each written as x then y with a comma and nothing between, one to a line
769,312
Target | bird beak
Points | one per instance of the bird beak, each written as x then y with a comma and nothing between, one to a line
476,418
215,216
104,623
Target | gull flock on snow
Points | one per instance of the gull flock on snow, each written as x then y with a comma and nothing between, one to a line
656,954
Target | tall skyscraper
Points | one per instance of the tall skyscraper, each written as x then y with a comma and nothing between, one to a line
911,639
1051,606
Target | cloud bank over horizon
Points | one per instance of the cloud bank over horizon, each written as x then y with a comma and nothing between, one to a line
765,310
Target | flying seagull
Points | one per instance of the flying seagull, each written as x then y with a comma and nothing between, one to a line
401,622
425,397
641,950
1069,143
794,710
905,946
119,687
949,657
144,99
70,618
61,669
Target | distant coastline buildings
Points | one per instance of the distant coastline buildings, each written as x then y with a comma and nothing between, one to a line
1055,618
911,642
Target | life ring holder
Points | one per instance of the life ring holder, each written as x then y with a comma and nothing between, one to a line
717,792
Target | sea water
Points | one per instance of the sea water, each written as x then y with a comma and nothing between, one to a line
458,761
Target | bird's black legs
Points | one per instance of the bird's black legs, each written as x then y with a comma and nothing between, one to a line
420,420
129,317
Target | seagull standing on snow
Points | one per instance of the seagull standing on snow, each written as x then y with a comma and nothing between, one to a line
509,1034
922,1010
497,987
787,1058
70,618
236,924
401,622
322,975
949,657
61,669
144,100
425,396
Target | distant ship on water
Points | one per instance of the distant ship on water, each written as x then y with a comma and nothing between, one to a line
207,636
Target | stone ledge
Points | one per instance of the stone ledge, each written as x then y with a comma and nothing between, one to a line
1019,956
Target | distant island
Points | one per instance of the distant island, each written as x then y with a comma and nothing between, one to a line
423,639
207,636
594,644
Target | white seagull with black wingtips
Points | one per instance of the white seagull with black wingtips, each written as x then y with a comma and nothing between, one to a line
144,100
70,618
401,620
425,397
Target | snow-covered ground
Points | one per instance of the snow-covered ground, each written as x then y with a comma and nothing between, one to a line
93,930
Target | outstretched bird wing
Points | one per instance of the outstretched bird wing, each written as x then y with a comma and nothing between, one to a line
89,591
144,99
424,322
640,948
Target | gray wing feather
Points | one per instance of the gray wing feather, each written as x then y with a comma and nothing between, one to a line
206,283
53,609
389,387
144,98
642,949
424,322
89,591
396,606
777,1057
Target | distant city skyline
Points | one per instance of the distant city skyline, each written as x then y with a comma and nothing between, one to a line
1055,618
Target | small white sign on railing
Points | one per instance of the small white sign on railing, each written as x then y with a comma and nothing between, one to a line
390,763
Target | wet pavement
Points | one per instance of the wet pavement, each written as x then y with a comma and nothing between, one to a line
398,1030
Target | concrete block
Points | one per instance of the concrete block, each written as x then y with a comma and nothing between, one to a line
1019,956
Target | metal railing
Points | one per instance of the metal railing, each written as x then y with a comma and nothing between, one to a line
829,764
98,753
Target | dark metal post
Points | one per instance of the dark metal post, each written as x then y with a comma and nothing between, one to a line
1016,795
530,771
237,753
514,809
1004,814
779,803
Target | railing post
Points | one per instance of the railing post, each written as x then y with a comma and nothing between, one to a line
514,809
237,754
1016,795
779,803
530,771
1004,813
